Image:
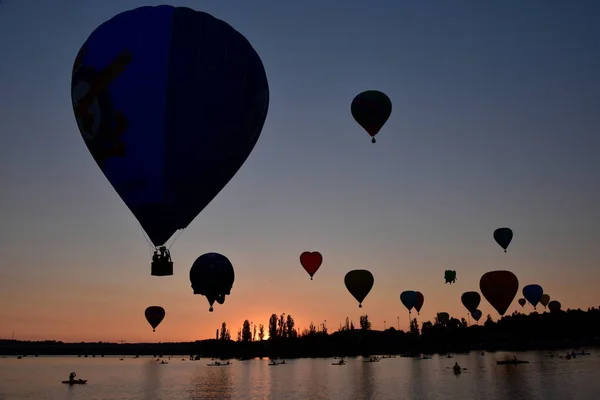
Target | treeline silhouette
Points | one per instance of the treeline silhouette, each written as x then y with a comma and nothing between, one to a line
569,329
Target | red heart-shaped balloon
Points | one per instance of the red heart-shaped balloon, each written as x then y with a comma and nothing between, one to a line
311,261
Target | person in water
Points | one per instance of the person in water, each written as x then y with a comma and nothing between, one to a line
72,376
456,366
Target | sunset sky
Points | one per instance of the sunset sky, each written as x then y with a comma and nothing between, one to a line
495,123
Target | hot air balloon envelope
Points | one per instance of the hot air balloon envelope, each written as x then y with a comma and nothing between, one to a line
476,314
503,236
554,306
359,283
409,299
545,300
420,301
371,109
154,315
170,102
522,302
533,294
470,300
212,275
311,261
499,289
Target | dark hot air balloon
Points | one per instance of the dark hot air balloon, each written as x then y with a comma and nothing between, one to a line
476,314
359,283
470,300
154,316
450,276
311,261
443,317
499,289
212,276
420,301
409,298
533,294
170,102
545,299
503,236
371,109
554,306
522,302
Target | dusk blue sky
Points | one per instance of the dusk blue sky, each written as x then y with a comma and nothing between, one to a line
495,122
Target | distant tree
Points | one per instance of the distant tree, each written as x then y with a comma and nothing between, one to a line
239,335
312,329
223,334
489,322
324,327
273,327
464,323
261,332
347,325
254,333
426,327
246,333
227,335
365,325
281,331
414,326
289,326
351,325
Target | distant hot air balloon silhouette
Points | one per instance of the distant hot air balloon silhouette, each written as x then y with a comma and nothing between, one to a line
545,300
533,294
522,302
359,283
554,306
409,298
503,236
499,288
311,261
170,103
471,301
476,314
371,109
212,275
154,316
443,317
420,301
450,276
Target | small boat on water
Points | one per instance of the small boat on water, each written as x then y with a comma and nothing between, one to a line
164,362
218,364
76,382
457,370
341,362
511,362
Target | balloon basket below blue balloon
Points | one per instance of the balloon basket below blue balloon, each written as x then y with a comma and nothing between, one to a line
162,269
373,140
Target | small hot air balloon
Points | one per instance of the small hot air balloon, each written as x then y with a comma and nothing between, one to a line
499,288
554,306
533,294
522,302
545,300
212,276
170,102
409,299
154,316
359,283
503,236
476,314
443,317
450,276
471,301
420,301
371,109
311,261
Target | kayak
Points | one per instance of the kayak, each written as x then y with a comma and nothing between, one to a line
338,363
76,382
511,362
218,365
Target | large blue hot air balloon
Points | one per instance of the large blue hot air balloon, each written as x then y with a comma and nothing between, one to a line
533,294
170,103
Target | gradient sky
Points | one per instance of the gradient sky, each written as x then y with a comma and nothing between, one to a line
495,123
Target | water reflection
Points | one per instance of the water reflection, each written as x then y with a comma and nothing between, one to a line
151,380
366,384
212,383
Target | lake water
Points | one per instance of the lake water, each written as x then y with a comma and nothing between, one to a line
307,379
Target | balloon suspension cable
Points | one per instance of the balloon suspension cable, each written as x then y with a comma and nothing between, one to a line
373,140
151,245
175,238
